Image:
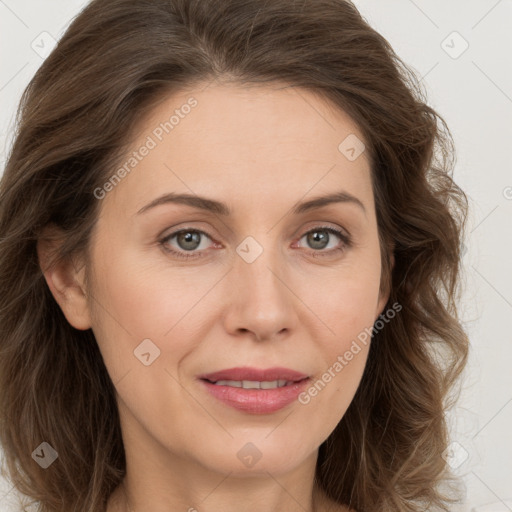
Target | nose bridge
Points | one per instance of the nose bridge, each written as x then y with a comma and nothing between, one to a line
258,265
261,301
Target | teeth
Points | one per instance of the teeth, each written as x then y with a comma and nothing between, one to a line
253,384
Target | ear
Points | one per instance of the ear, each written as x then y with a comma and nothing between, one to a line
65,280
384,294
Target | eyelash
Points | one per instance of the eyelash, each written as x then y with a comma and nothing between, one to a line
347,242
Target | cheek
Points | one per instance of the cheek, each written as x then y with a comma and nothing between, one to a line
349,313
348,308
137,298
347,300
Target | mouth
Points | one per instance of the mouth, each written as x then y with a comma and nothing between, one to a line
251,378
255,384
255,391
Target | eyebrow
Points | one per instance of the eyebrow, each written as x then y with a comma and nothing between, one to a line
211,205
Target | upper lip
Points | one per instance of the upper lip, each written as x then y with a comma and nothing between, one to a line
255,374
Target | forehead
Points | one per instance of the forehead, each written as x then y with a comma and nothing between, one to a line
252,143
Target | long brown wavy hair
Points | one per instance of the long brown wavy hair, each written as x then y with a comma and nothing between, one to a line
116,60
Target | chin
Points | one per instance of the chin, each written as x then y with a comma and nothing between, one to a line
259,457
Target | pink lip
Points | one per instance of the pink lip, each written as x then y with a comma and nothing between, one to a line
248,373
256,401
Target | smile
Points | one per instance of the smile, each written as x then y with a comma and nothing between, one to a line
253,384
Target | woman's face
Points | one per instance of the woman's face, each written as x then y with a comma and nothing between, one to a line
254,287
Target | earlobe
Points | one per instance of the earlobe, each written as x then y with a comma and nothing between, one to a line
65,281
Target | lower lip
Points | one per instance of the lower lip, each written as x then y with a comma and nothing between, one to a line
257,401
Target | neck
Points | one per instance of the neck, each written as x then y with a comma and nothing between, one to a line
120,502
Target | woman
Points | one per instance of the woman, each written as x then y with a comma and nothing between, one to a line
229,263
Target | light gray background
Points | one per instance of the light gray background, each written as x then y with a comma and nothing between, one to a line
473,92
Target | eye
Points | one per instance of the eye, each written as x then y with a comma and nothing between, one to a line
320,237
188,240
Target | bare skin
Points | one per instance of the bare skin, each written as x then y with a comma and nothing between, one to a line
118,502
260,150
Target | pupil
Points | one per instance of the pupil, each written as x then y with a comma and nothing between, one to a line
319,236
189,237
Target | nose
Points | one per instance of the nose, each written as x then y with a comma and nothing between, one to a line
262,301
